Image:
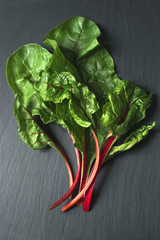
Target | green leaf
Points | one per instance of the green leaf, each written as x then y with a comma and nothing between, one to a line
66,120
79,115
125,107
59,86
131,140
37,106
58,61
56,87
24,68
29,130
77,39
97,71
83,106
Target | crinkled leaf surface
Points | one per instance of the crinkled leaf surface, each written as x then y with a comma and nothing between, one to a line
60,86
56,87
24,68
97,71
66,120
31,71
29,130
125,107
59,62
83,106
131,140
77,39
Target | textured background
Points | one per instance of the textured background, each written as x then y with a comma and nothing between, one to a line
127,194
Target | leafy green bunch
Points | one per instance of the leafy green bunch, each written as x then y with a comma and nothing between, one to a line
76,87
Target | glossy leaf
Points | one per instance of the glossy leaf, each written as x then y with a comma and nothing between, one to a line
97,71
83,106
66,120
29,130
77,39
24,68
55,87
60,86
131,140
125,107
59,62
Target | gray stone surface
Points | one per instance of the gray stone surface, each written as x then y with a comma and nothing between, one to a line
126,200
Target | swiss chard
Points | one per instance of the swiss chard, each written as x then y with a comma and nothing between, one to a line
78,88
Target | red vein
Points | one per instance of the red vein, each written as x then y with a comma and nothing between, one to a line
27,119
61,88
26,68
135,102
121,120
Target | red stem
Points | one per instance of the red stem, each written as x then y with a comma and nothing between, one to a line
72,188
83,171
68,167
103,153
95,168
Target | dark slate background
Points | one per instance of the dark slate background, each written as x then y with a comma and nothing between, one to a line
126,201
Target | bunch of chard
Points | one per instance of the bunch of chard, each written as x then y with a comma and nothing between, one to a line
77,88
